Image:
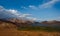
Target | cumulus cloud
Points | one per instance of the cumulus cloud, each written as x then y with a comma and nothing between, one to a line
7,13
14,12
4,13
48,4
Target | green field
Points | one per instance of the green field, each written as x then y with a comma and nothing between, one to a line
40,28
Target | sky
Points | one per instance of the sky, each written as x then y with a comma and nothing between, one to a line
31,9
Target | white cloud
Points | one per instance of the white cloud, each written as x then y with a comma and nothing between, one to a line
25,15
1,8
6,13
33,18
11,12
24,7
58,18
42,6
32,7
14,12
48,4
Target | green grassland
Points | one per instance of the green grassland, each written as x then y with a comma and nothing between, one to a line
40,28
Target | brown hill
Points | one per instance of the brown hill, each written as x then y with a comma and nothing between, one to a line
7,25
51,22
18,22
9,28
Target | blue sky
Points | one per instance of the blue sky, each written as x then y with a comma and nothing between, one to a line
34,9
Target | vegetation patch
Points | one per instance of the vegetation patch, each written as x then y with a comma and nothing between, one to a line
40,28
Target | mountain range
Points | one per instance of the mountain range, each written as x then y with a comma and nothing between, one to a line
21,22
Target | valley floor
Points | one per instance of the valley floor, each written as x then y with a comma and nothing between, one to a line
15,32
9,29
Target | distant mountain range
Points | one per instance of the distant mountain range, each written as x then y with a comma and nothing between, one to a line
50,22
24,23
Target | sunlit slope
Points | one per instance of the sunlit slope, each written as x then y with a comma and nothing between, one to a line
10,29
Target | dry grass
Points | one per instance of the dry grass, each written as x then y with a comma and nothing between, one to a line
14,32
7,29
